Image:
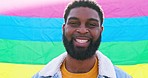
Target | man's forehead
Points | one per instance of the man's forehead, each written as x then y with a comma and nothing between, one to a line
83,12
89,19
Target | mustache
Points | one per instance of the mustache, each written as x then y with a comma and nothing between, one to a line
84,36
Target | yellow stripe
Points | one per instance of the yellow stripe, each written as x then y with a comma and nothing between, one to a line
18,70
136,71
8,70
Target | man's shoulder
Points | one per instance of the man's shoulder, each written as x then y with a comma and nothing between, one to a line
36,76
120,73
51,68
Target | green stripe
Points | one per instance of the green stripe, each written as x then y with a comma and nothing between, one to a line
126,52
29,52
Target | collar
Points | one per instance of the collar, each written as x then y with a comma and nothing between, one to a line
106,68
53,66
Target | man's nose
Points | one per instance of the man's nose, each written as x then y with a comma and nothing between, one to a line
82,30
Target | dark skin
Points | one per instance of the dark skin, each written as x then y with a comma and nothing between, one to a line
84,23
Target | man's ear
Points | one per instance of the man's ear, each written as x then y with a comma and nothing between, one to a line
63,27
101,29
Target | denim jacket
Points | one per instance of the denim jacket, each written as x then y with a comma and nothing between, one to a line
106,68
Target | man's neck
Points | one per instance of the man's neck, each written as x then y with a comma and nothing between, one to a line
79,66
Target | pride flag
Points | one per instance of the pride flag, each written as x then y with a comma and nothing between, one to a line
31,35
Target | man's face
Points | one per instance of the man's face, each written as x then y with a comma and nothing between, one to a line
82,33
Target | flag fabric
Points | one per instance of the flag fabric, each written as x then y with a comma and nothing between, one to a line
31,35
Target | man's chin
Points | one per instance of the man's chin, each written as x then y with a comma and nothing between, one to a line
80,49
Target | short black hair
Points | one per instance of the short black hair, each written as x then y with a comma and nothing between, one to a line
84,3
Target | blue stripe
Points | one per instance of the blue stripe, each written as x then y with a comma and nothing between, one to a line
50,29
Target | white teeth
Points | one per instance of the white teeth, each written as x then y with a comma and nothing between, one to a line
81,41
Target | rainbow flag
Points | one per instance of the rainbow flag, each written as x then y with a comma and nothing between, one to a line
31,35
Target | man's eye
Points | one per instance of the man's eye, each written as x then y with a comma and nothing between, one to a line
73,24
92,25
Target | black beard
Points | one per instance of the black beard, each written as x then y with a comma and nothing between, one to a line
80,53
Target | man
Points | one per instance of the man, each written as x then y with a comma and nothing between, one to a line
81,37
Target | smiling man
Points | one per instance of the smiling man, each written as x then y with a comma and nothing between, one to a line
81,37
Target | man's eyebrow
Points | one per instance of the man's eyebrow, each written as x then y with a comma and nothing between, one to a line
73,18
92,19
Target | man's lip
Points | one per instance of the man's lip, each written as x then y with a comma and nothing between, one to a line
82,37
81,42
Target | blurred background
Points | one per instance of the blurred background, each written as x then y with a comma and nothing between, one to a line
31,35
